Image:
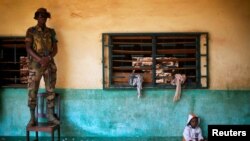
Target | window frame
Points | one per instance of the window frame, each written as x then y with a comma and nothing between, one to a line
12,49
107,45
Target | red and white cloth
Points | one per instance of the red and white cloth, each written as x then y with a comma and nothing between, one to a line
178,80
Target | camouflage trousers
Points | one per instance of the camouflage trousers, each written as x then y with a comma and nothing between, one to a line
36,72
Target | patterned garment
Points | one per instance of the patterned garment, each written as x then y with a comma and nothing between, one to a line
42,43
42,40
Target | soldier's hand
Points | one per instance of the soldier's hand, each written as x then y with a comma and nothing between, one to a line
44,61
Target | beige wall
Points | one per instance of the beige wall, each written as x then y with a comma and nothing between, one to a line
80,23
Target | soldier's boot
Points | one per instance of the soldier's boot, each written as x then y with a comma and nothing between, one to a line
32,121
50,116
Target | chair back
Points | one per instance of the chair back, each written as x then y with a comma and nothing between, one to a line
41,108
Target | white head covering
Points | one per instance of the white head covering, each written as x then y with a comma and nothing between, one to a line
191,116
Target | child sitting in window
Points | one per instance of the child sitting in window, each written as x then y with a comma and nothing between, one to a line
192,131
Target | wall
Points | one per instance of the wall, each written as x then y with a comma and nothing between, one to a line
79,25
90,111
98,113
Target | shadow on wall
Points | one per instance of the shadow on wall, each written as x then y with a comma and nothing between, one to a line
61,58
69,118
68,128
99,113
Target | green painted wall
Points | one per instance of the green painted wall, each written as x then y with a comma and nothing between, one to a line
118,113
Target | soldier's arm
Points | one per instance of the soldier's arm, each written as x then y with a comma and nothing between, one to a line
29,49
54,52
28,43
54,44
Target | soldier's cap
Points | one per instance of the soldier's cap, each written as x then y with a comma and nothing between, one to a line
42,10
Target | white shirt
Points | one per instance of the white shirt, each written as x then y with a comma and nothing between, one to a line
192,133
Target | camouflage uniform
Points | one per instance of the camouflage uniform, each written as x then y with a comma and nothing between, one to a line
42,41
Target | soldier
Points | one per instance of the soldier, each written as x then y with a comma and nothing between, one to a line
41,46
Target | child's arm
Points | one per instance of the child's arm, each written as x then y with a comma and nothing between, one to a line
186,134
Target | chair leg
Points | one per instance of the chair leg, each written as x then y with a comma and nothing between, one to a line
36,136
27,136
58,134
52,136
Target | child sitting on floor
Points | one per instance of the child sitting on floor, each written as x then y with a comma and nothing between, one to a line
192,131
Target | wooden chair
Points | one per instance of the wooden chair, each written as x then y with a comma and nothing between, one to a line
43,125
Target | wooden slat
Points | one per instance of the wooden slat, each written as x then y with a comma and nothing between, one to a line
176,37
10,70
13,45
183,68
176,51
131,52
177,60
131,60
14,85
11,78
191,76
132,37
122,61
131,68
9,62
188,76
129,43
159,43
12,40
123,77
